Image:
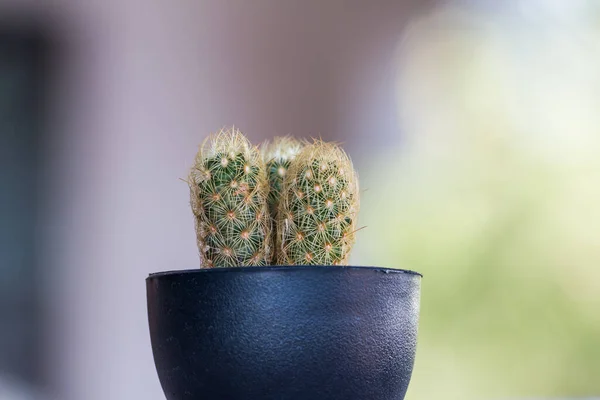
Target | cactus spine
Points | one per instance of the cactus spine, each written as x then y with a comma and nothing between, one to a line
319,206
228,192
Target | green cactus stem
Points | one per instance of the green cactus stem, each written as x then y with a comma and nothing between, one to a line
317,214
277,156
228,192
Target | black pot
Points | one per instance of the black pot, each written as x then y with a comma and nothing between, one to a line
284,333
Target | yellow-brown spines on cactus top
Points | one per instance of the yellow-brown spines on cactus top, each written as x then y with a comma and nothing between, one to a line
228,192
317,214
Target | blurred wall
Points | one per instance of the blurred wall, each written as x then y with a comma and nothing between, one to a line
139,85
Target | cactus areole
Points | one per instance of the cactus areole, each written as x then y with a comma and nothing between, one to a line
274,312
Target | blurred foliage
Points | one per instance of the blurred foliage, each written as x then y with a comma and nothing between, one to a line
495,198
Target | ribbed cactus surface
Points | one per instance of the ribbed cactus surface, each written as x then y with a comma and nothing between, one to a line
278,155
318,208
228,192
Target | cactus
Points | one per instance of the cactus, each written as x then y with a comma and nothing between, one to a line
277,156
319,206
228,191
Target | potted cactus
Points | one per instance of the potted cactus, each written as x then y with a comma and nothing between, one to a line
275,312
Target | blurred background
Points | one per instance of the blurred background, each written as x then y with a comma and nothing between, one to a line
475,126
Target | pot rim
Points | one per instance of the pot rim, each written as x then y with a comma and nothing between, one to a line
290,268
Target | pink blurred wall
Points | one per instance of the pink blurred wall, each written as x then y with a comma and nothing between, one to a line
140,85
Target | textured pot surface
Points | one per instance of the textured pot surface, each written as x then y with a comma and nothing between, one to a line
285,333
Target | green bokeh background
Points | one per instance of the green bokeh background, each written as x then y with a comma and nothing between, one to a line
493,194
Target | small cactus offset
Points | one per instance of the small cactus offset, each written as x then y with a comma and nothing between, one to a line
318,209
278,156
228,192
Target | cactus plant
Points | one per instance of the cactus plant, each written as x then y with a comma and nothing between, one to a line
318,208
278,155
228,192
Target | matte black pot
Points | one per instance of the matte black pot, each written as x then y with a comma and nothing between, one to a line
284,333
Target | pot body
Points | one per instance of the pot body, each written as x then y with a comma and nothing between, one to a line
285,333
